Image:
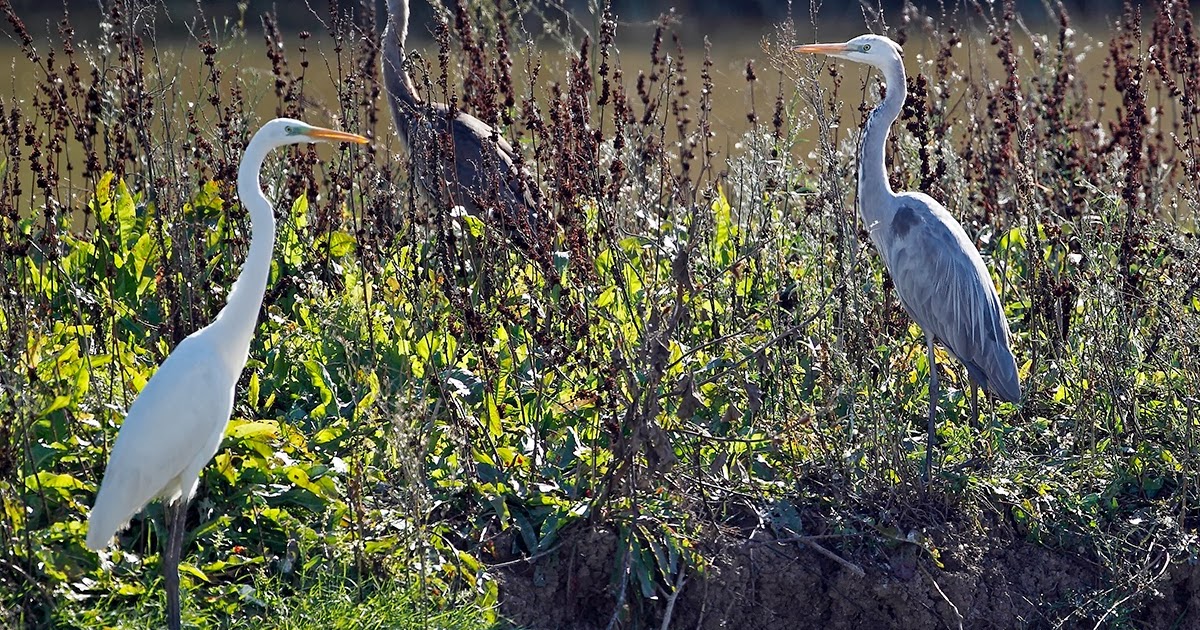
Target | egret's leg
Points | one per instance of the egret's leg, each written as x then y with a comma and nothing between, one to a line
933,398
176,513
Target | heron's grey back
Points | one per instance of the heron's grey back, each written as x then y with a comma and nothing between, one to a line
945,286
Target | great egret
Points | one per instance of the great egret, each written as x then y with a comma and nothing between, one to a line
483,177
938,272
176,423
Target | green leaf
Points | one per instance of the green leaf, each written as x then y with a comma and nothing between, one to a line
328,434
192,570
252,393
607,297
500,507
130,588
299,477
223,464
493,416
300,211
474,225
126,215
60,402
244,429
723,217
102,198
46,480
336,244
319,377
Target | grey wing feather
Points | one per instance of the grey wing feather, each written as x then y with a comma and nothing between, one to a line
945,287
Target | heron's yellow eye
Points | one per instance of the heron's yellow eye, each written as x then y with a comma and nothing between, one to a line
866,47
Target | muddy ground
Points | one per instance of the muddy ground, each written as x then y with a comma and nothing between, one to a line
991,580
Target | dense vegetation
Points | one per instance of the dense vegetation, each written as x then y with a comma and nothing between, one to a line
708,347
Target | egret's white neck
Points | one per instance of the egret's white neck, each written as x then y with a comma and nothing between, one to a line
240,315
873,188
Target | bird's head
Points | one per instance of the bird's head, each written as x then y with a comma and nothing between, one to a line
285,131
876,50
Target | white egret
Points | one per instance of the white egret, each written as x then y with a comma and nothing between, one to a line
177,421
938,272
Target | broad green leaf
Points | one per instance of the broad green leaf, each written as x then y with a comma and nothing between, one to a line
474,225
243,429
190,569
319,377
60,402
300,211
328,434
606,298
493,416
299,477
252,391
45,479
337,244
130,588
126,215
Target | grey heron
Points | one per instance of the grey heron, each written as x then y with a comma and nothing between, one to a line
176,423
939,275
477,171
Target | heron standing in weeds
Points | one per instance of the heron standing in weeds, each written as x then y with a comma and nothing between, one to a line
938,272
476,170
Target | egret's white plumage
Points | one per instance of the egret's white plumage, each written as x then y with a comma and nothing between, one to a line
172,430
939,275
176,423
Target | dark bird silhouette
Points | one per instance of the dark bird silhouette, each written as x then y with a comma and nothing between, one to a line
477,169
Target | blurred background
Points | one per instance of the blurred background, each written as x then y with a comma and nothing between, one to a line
719,18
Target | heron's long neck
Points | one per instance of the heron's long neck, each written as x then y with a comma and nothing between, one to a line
395,78
240,315
873,188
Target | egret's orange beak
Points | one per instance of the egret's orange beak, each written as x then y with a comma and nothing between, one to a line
330,135
824,49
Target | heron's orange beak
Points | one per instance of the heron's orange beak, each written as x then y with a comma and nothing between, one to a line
824,49
330,135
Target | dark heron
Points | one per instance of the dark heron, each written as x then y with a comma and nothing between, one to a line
478,169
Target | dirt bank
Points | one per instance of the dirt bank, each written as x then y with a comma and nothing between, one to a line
986,581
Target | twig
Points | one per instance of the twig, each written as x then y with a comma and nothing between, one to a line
612,623
1137,591
811,541
943,594
680,580
530,558
850,566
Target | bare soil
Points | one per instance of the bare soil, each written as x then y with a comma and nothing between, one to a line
994,579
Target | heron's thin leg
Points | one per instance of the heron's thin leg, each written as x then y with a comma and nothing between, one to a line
933,398
974,403
977,434
176,513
